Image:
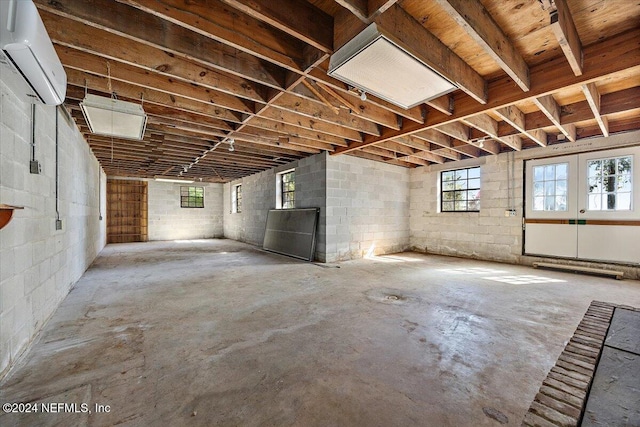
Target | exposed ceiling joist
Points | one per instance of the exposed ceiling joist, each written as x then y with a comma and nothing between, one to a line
615,55
548,105
592,95
477,22
567,35
299,19
517,119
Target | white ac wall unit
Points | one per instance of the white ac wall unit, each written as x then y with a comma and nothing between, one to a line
375,62
25,43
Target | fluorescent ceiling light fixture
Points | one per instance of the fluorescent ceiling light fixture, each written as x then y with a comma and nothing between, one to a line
112,117
182,181
375,64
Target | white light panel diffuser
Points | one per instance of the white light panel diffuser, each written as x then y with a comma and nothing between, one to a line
374,63
112,117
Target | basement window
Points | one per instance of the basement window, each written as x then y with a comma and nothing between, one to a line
192,197
236,199
460,190
286,190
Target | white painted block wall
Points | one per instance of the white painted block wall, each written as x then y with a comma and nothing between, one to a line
38,264
487,234
259,196
367,208
168,221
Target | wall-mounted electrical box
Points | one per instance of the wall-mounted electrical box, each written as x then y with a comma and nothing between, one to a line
58,224
35,167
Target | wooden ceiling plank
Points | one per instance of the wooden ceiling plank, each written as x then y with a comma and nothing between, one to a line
592,95
215,21
567,35
180,107
299,19
66,32
607,58
295,104
383,159
292,119
429,49
145,28
548,105
92,64
478,23
289,130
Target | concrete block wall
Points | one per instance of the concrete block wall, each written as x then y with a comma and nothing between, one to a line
168,221
259,196
487,234
367,208
39,264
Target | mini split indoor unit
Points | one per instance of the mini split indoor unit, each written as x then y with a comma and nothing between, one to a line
27,49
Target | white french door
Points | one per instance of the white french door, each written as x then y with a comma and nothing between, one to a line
584,206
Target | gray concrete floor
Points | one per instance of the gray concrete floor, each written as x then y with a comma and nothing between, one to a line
215,332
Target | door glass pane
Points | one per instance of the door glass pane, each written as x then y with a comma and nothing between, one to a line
609,179
538,203
624,202
561,170
538,173
538,189
549,203
549,188
624,165
624,183
550,181
549,172
609,166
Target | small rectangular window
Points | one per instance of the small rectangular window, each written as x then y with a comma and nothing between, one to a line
288,190
550,187
610,184
460,191
192,197
237,199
